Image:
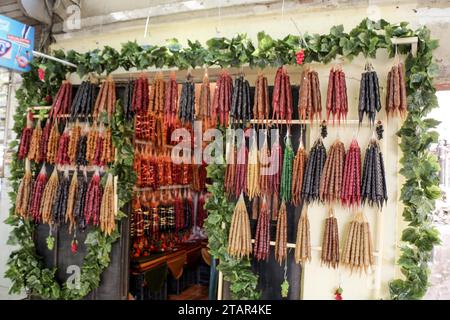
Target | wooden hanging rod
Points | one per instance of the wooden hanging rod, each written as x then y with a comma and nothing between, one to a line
170,187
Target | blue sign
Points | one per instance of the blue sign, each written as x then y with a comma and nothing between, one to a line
16,44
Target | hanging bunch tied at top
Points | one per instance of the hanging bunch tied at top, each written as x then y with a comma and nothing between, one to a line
310,99
222,98
241,110
186,110
396,99
337,100
313,172
373,185
369,95
282,96
106,99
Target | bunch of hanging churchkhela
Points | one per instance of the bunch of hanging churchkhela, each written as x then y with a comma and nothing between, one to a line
106,99
83,102
313,172
373,184
273,203
286,175
80,201
396,99
48,198
230,171
69,215
337,100
331,180
241,169
253,173
358,249
240,238
52,147
33,151
186,108
34,207
303,243
264,167
310,99
157,96
107,214
276,158
222,98
61,200
140,97
262,238
74,137
299,166
351,185
241,110
205,112
282,96
261,105
107,154
62,156
61,103
369,95
171,100
82,150
43,143
25,139
93,201
281,239
128,100
330,242
24,192
91,143
97,161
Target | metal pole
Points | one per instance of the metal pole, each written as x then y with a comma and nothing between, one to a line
43,55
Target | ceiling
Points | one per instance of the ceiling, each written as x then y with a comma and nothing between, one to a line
12,9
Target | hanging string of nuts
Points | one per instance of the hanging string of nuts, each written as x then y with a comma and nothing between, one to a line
157,97
91,143
337,100
310,99
313,172
262,238
34,207
351,190
373,186
186,108
240,239
241,110
171,103
264,178
369,95
286,175
330,242
222,98
253,173
93,201
82,150
24,192
107,155
358,248
331,180
205,112
282,96
48,198
140,100
84,100
261,105
33,152
69,214
276,157
128,100
80,201
281,239
107,214
62,156
230,171
106,99
43,143
52,146
62,101
241,169
25,139
74,137
60,204
396,98
300,160
303,243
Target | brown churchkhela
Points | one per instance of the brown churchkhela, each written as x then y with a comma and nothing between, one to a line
331,180
310,99
240,239
396,99
330,242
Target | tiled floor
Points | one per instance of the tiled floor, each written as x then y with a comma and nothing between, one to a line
195,292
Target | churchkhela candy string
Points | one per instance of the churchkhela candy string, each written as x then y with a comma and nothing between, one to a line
262,238
69,215
106,99
186,108
351,190
24,193
369,95
303,242
25,139
33,151
48,198
396,97
34,208
222,98
330,242
241,110
286,175
60,204
83,102
373,185
261,105
205,111
313,172
337,100
80,201
281,238
300,160
331,179
240,240
62,101
107,214
282,104
93,201
310,100
253,174
171,101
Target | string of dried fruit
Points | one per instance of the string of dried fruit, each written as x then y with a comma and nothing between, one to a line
108,149
62,156
396,100
358,249
24,192
140,96
241,170
264,160
43,143
93,201
74,137
81,151
61,200
80,201
262,238
331,180
127,101
186,108
240,240
69,215
222,98
62,101
230,171
171,103
299,166
281,239
157,97
205,112
282,96
253,170
351,190
84,100
373,186
330,242
97,161
91,143
52,147
313,172
106,99
33,151
241,111
303,243
286,175
369,95
310,99
48,198
25,142
36,195
107,214
261,106
337,100
276,158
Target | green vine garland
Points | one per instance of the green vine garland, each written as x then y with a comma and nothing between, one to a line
419,168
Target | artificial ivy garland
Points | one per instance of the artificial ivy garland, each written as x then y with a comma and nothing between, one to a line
420,169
